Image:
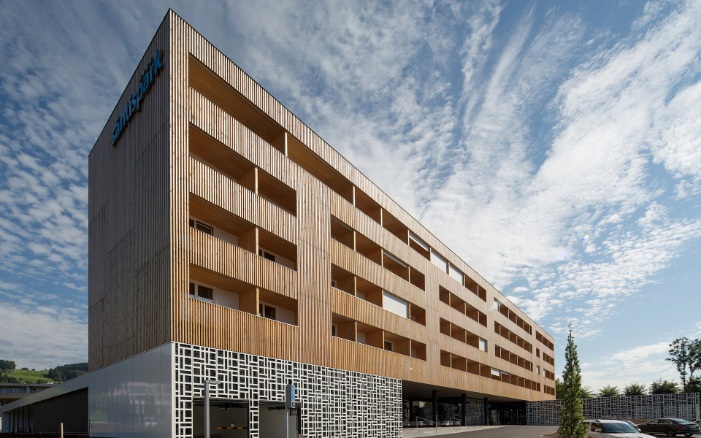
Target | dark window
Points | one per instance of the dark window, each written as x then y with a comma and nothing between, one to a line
266,255
266,311
201,292
201,226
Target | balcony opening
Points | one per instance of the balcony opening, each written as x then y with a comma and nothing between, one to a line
418,245
475,288
458,363
368,248
370,335
395,265
394,226
368,291
277,249
444,295
397,344
457,304
225,225
342,280
277,307
319,168
417,278
277,192
223,95
344,327
445,359
418,350
367,205
222,158
342,233
225,291
417,314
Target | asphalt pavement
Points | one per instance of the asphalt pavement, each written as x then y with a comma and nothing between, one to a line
494,432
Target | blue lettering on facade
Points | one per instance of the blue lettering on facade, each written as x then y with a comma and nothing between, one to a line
133,104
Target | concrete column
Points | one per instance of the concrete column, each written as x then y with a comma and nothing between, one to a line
486,412
434,397
463,410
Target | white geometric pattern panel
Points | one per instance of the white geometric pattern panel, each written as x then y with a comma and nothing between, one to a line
334,403
643,407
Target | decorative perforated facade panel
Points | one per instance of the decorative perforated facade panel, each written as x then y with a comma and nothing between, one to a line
622,408
334,403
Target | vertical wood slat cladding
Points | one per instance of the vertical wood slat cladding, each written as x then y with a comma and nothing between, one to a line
129,263
153,295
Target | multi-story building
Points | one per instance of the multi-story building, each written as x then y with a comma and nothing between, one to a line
230,244
10,392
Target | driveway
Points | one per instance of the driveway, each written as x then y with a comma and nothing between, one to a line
486,432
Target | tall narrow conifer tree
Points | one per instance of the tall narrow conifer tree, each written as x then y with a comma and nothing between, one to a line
571,410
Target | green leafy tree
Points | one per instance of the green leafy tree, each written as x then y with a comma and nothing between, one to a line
609,391
686,356
694,385
571,410
663,387
587,392
67,372
7,365
635,389
6,378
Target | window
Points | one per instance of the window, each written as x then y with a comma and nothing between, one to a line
266,311
439,261
483,344
201,226
395,304
334,329
266,255
334,283
389,346
201,292
537,368
455,273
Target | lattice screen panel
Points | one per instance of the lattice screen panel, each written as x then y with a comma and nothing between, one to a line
334,403
644,407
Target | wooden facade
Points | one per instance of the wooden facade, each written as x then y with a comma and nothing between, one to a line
292,253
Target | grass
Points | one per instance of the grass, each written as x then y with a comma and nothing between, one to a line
30,376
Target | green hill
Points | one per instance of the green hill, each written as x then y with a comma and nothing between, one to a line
30,376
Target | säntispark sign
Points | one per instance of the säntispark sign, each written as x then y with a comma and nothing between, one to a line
133,104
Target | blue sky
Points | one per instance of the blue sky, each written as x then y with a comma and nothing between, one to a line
554,145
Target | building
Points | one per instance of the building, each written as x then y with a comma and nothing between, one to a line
229,244
10,392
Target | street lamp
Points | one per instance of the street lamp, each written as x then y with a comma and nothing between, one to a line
206,404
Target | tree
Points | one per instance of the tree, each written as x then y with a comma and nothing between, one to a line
609,391
694,385
7,365
686,355
663,387
635,389
571,410
67,372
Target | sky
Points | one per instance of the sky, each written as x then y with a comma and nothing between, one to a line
555,146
